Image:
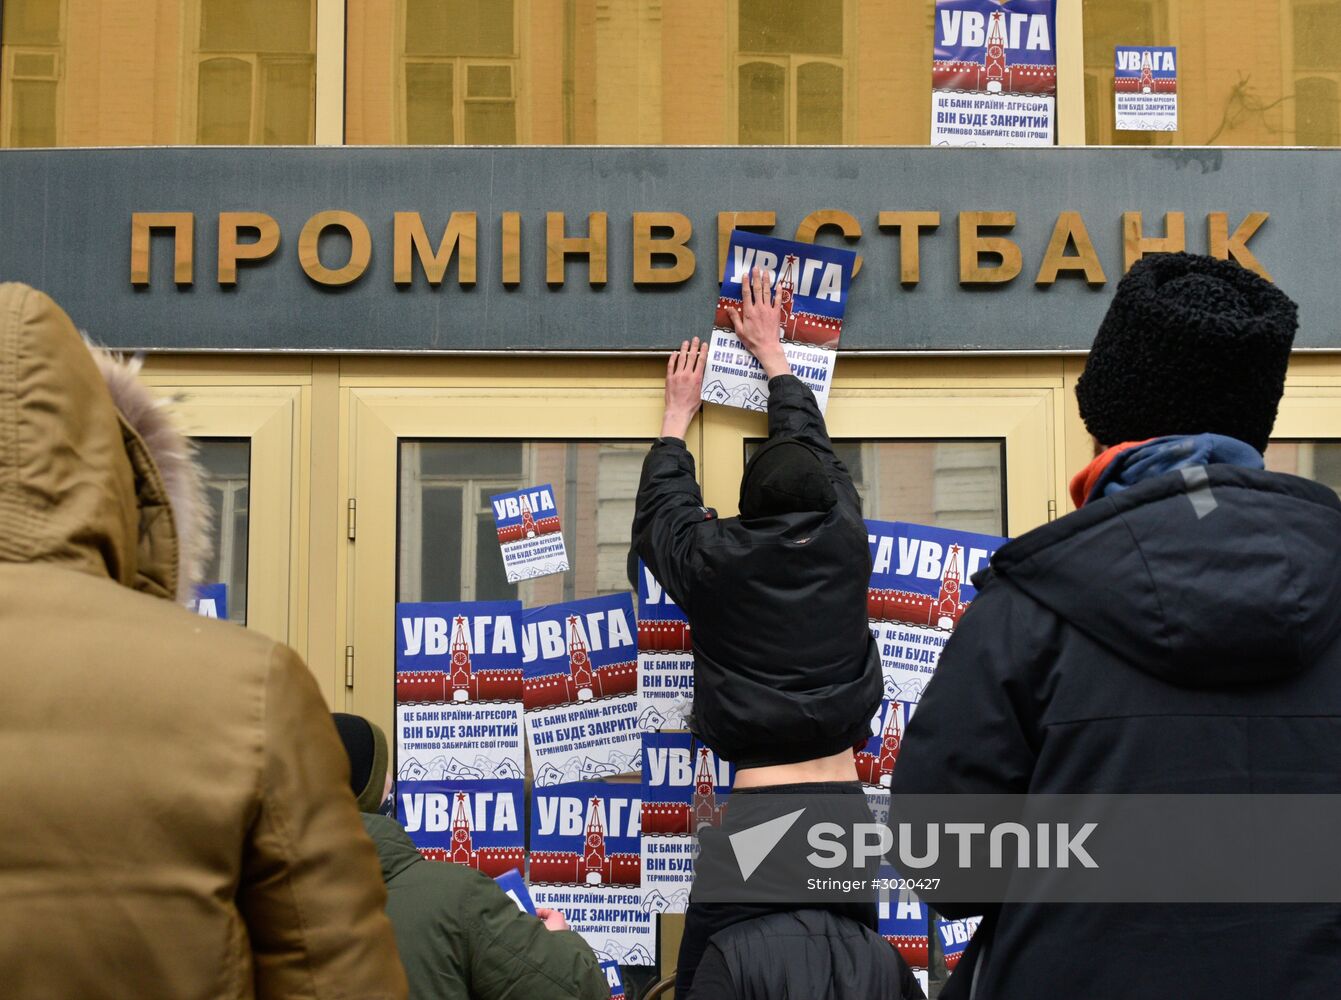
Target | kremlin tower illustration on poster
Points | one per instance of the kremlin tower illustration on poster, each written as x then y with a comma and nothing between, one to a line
906,607
461,682
593,865
530,526
995,74
582,681
491,861
681,818
876,767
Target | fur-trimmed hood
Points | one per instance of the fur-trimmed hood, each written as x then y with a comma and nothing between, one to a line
92,473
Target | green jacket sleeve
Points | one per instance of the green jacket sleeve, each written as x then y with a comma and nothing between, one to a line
513,956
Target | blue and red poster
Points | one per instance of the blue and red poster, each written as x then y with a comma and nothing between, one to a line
1145,88
685,788
471,823
613,979
514,886
812,284
211,601
459,691
665,658
955,936
994,73
529,533
921,585
580,688
586,861
875,761
903,919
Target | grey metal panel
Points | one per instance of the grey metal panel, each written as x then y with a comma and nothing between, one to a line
65,227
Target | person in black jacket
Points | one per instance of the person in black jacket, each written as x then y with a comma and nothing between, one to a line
807,953
1178,633
786,672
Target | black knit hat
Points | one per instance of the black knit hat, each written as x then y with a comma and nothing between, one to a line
1190,345
365,745
783,477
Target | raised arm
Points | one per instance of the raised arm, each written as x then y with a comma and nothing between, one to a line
670,502
792,410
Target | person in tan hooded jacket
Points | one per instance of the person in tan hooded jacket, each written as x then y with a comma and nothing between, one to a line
178,820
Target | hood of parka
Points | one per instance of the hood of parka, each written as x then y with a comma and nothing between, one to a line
1205,580
78,485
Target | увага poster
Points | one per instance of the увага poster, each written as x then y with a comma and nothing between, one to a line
665,658
529,533
1145,89
685,788
920,587
472,823
580,670
210,601
459,691
903,919
994,73
812,286
955,936
586,861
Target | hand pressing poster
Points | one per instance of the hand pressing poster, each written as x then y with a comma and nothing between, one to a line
477,824
920,587
811,283
685,787
580,670
994,73
529,533
665,658
459,691
586,861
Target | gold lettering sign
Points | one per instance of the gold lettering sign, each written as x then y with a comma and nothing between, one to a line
660,250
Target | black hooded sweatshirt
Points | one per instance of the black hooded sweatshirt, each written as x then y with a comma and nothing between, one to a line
1158,641
785,667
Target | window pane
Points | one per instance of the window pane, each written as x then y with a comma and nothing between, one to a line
440,574
225,102
594,486
428,104
459,27
32,22
1316,460
34,104
288,103
763,104
1317,29
491,123
949,484
819,104
811,26
256,26
1316,112
226,463
488,81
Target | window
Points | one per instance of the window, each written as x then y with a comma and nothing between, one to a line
791,71
949,484
448,543
1108,24
459,72
255,72
32,65
226,464
1316,34
1316,460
